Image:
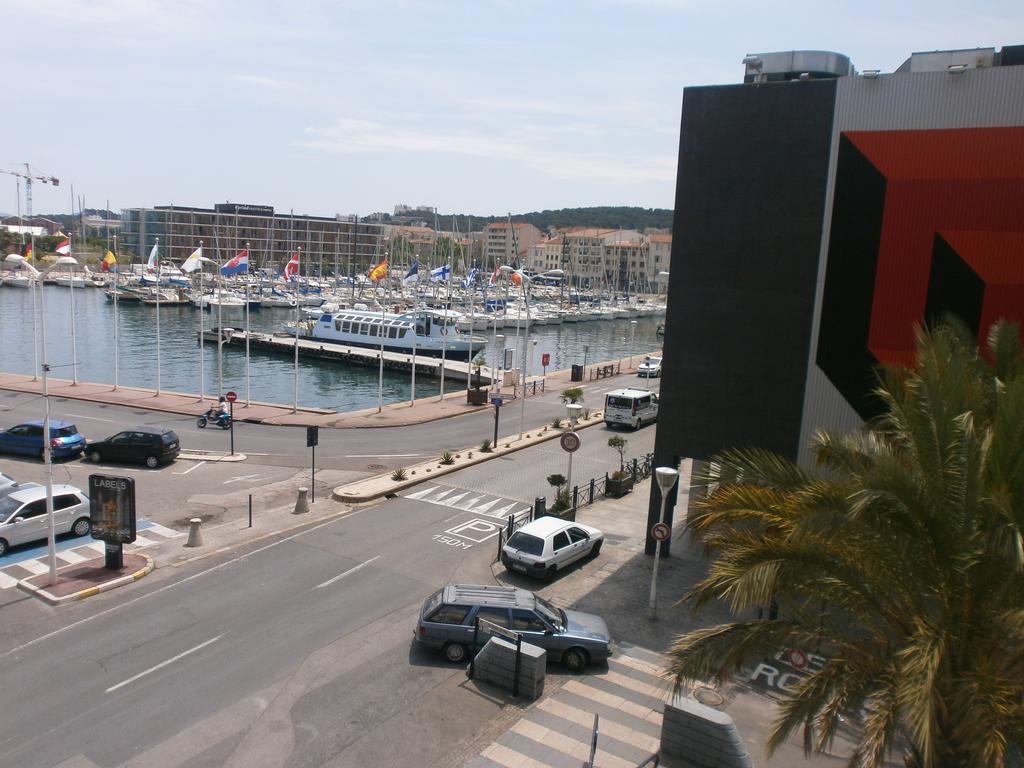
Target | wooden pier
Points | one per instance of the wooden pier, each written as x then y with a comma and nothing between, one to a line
281,343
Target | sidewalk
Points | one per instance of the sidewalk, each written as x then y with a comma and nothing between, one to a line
629,693
423,410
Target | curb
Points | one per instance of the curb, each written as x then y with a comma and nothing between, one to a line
354,493
81,594
214,456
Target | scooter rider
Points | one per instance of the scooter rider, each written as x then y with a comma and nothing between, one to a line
220,411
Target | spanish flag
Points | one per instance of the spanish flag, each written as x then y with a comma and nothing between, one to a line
109,263
381,270
27,252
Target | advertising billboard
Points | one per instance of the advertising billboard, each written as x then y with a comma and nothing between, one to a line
112,508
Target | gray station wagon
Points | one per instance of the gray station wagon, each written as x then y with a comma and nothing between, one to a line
448,617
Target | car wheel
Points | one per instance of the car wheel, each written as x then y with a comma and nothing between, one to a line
575,659
94,457
549,574
596,549
152,462
455,652
4,546
81,527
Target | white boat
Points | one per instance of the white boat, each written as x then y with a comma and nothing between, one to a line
70,281
429,330
14,280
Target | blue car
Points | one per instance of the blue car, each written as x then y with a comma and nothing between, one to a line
27,439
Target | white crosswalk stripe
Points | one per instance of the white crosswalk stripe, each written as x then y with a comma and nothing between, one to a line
71,557
7,582
467,501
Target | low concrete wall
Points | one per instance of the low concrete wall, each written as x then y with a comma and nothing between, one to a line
701,737
496,664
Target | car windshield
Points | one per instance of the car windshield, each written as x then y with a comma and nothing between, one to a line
7,506
64,431
552,614
524,542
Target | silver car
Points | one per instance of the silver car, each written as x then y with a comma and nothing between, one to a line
448,619
23,514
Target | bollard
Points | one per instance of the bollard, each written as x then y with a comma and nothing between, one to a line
301,503
195,533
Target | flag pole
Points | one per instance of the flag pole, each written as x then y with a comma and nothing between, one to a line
295,376
248,401
202,299
158,297
115,312
74,336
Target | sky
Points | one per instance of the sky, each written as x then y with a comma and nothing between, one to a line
353,106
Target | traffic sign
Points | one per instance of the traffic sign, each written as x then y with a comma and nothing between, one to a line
231,396
496,402
545,359
660,532
570,442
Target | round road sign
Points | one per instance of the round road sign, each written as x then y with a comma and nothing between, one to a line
231,397
570,442
660,532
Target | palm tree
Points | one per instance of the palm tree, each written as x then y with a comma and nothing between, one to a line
900,560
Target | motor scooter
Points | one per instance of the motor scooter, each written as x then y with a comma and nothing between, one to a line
219,418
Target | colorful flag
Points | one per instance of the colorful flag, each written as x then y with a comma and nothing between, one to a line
193,262
291,269
494,275
240,263
27,252
470,278
109,263
441,273
414,271
154,257
63,247
380,271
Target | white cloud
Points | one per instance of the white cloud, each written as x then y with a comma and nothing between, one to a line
265,82
528,147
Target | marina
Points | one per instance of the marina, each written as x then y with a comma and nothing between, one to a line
81,345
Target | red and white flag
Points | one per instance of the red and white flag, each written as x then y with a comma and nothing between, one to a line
291,269
63,247
494,275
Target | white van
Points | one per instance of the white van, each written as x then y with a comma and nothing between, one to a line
631,407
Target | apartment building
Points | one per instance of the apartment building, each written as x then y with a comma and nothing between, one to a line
500,247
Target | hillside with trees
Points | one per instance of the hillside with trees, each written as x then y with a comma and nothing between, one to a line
602,217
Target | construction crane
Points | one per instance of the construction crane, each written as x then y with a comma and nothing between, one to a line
29,177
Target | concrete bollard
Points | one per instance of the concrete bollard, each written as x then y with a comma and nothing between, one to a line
195,533
301,503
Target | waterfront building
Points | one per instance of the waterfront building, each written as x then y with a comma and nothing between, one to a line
500,247
822,214
225,229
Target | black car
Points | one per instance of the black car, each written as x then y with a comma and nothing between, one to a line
151,446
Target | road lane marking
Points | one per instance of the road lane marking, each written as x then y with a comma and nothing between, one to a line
197,466
163,664
345,573
382,455
166,587
92,418
240,478
6,582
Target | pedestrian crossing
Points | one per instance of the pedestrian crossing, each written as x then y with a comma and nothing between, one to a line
89,549
556,733
473,502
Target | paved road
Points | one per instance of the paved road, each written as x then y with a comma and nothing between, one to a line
293,653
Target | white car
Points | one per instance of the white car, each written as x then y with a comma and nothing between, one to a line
650,368
23,514
549,544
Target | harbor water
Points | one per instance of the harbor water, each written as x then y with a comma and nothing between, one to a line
321,383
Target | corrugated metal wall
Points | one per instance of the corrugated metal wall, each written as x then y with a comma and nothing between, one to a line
980,98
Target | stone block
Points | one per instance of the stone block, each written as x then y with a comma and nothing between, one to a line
703,736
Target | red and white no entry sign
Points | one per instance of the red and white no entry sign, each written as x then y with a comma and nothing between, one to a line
231,397
661,532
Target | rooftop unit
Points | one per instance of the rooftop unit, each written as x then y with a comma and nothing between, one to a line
795,65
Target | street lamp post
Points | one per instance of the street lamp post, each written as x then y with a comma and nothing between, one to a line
499,344
574,410
632,337
666,477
